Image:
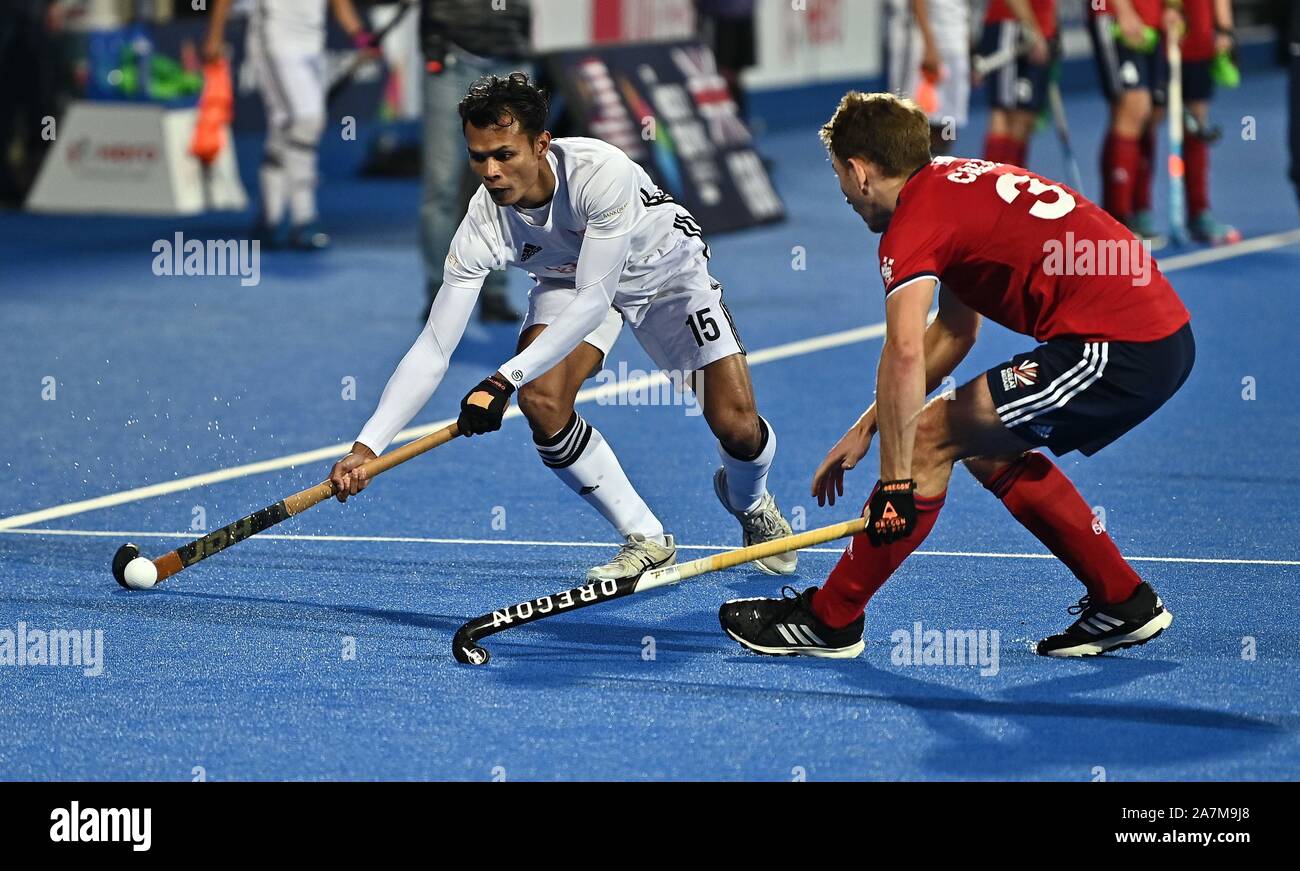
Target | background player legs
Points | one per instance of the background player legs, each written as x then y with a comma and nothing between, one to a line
1198,90
1131,114
575,450
1008,136
292,87
273,184
1031,487
1143,220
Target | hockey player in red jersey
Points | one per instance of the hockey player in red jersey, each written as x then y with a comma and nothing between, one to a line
994,241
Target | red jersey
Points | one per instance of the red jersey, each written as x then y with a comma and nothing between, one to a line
1148,10
1027,253
1198,44
1044,13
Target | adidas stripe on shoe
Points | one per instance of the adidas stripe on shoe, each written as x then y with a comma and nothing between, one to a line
1100,628
787,626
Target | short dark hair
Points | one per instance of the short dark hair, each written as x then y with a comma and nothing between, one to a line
493,100
891,132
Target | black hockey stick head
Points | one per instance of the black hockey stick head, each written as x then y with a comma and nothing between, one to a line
124,555
464,648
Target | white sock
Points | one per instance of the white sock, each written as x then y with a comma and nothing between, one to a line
274,184
584,460
747,479
300,161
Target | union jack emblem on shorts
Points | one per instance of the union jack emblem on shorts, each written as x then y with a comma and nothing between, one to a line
1021,375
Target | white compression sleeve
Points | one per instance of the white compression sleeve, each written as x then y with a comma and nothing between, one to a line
421,370
600,266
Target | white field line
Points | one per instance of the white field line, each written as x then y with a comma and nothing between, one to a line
125,535
767,355
320,455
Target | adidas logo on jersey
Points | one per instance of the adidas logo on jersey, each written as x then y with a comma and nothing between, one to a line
530,250
887,269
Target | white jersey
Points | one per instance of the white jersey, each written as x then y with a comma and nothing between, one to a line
600,193
287,26
609,243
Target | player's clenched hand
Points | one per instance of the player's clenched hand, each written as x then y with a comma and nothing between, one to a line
483,407
931,61
891,513
828,483
347,476
1132,29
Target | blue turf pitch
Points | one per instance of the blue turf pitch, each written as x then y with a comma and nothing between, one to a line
237,666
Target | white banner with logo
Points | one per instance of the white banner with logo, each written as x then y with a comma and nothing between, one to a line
560,25
132,158
802,42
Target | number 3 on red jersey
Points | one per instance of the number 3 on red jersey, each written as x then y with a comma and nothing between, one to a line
1009,189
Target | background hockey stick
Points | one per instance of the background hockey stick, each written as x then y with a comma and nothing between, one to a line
1177,170
465,647
1062,125
360,59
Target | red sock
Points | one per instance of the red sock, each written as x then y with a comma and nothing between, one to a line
1196,153
863,568
1045,502
1000,149
1145,171
1119,166
1022,152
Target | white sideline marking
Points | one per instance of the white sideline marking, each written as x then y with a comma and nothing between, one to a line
767,355
717,548
320,455
1226,252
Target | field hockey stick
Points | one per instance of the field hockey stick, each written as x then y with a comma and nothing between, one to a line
1177,169
259,521
1062,125
465,647
360,59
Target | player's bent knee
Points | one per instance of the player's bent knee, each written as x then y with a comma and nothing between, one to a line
306,131
738,428
986,469
546,410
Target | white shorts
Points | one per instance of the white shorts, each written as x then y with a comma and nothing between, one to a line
291,81
952,33
684,327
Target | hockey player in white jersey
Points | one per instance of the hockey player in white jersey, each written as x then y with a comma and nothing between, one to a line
928,49
286,47
604,246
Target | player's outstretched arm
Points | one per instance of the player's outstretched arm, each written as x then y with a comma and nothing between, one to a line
412,384
900,379
1038,52
948,340
214,40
